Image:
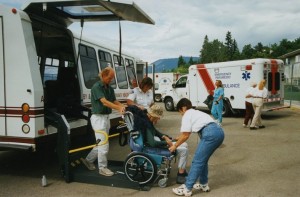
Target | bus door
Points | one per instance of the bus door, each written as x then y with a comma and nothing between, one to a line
2,90
140,70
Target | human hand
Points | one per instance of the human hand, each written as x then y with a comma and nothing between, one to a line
122,110
172,148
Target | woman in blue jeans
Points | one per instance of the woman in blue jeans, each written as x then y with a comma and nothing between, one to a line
211,135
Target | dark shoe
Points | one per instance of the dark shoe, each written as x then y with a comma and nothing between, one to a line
180,179
262,126
253,128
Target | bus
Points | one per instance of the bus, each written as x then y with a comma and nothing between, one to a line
47,71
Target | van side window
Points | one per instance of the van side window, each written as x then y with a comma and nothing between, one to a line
181,83
89,65
51,69
130,73
105,61
120,72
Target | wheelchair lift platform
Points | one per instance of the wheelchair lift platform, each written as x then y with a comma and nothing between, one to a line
81,174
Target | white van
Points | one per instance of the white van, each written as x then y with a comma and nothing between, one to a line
46,72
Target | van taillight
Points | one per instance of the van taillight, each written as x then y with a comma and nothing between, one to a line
25,117
25,107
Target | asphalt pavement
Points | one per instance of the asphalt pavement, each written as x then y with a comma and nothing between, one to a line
250,163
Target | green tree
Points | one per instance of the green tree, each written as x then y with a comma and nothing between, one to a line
247,52
191,61
181,61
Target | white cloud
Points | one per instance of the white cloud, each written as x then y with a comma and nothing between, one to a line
182,24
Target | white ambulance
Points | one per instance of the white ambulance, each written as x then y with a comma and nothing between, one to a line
236,77
162,82
46,72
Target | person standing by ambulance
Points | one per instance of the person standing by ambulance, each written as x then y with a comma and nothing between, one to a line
259,94
217,107
248,104
103,100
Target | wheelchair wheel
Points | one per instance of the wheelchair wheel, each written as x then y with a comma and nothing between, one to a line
141,168
163,182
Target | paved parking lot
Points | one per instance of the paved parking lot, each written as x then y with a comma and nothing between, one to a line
256,163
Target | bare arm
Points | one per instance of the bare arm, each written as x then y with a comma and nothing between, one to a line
115,105
182,138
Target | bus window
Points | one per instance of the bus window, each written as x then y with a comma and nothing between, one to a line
105,60
51,69
89,65
130,73
120,72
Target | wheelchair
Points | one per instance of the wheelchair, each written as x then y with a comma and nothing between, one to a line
145,165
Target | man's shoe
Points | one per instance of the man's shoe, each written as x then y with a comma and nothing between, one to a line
204,188
182,191
89,165
105,172
181,177
253,128
261,126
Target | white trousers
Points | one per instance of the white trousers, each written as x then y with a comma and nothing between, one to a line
100,123
183,153
257,106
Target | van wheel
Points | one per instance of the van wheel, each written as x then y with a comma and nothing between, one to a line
169,104
157,97
226,110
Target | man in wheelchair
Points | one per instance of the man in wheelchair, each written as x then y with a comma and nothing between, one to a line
156,142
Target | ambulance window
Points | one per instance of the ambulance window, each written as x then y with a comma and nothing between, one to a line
181,83
51,69
89,65
105,60
130,73
120,72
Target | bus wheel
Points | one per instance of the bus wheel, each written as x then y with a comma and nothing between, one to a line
169,104
157,97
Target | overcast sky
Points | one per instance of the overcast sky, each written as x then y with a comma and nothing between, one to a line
181,25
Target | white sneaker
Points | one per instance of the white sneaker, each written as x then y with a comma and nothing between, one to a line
105,172
204,188
182,191
244,125
89,165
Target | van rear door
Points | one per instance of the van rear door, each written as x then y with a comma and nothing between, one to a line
65,12
2,100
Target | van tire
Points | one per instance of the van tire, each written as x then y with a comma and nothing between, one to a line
226,109
169,104
157,97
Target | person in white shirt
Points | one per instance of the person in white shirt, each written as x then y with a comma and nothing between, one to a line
259,94
142,96
248,104
211,135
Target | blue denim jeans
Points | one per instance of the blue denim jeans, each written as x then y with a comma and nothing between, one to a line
211,137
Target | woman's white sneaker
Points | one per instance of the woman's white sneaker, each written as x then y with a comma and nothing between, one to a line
204,188
182,191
